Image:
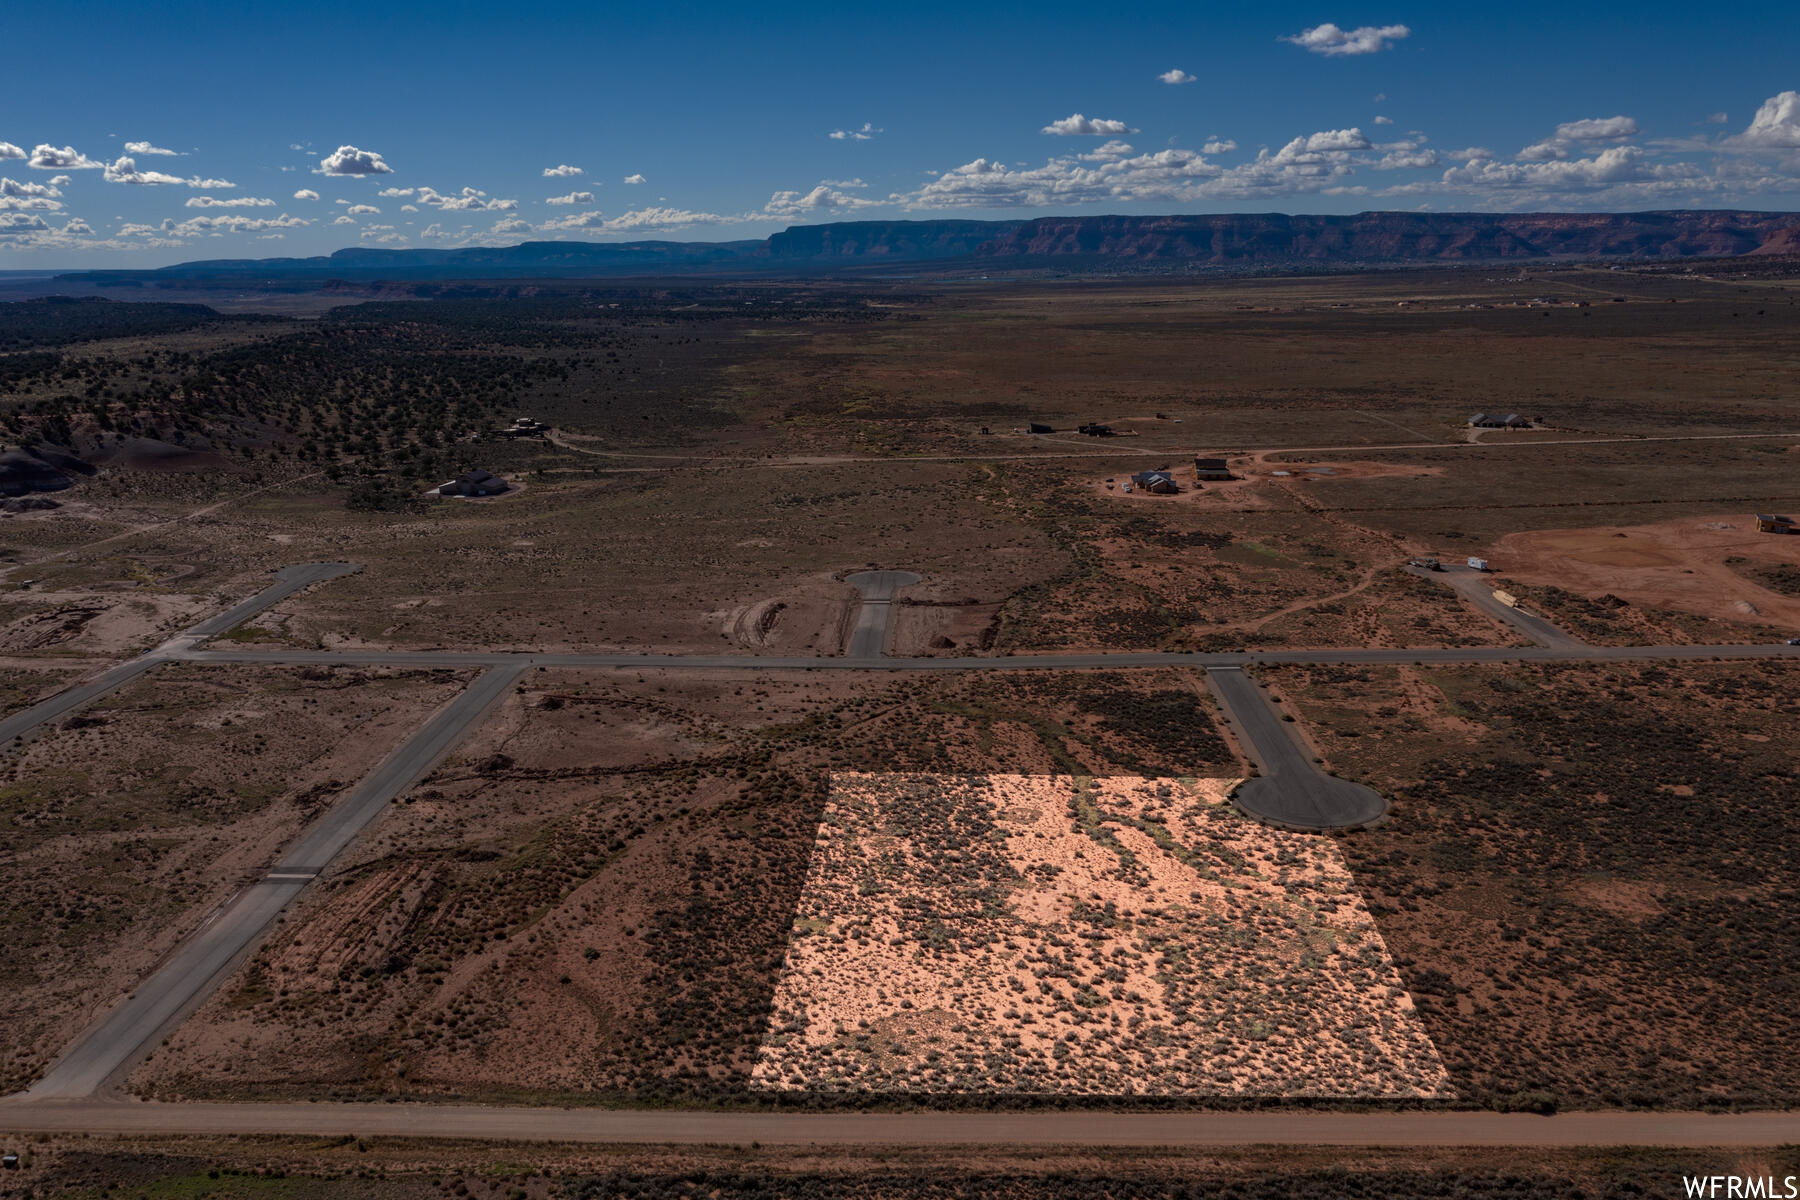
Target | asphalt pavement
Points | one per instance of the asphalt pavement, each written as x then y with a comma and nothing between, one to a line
875,616
288,580
1291,791
665,1127
205,960
1473,586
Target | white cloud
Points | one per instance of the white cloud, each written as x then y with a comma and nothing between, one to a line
345,221
394,193
1111,151
1571,135
235,202
14,188
506,225
348,160
8,150
572,198
1218,146
562,171
125,170
383,234
412,208
822,199
148,148
76,226
362,210
198,182
867,131
635,179
1384,120
1717,118
46,157
214,226
1776,125
468,200
306,194
14,224
1329,40
1076,125
1611,167
1175,75
644,220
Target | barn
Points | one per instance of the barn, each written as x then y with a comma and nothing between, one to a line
1211,468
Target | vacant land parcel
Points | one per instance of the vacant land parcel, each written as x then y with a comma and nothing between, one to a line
1105,937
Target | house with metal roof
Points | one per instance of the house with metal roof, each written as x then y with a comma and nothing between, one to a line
1495,421
474,483
1211,468
1770,523
1160,482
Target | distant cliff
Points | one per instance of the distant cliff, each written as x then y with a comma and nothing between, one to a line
1244,241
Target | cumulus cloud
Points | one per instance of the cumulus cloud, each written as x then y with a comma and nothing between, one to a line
394,193
212,226
198,182
1570,136
821,199
1175,75
1330,40
1609,168
468,200
8,150
363,210
306,194
506,225
635,179
562,171
1776,125
148,148
234,202
1384,120
16,196
18,224
1718,118
409,208
1218,145
1076,125
348,160
46,157
125,170
344,221
851,135
643,220
1111,151
572,198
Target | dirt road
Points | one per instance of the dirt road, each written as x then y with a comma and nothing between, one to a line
1676,1129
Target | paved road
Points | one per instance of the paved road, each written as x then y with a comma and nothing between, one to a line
1020,662
288,580
875,618
488,1124
206,959
1473,586
1291,791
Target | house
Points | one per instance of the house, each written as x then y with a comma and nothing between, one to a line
474,483
1211,468
1159,482
1769,523
525,427
1495,421
1039,427
1095,430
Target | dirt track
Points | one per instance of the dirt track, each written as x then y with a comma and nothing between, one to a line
940,1129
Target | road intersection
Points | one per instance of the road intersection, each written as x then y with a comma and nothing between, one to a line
1290,792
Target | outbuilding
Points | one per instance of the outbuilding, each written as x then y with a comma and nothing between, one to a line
1495,421
1211,468
1769,523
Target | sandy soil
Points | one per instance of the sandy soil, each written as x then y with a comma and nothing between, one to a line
133,819
1673,564
1015,934
1256,472
94,622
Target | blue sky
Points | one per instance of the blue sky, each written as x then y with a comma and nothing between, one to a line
301,129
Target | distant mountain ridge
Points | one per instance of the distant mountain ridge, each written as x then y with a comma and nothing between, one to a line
1229,240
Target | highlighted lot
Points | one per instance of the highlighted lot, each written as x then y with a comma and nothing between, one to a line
1073,936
